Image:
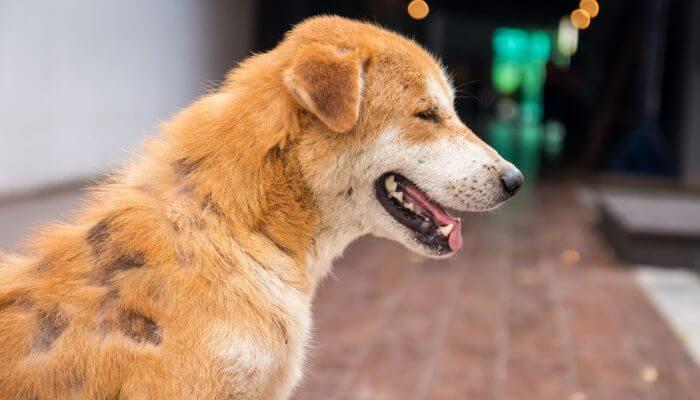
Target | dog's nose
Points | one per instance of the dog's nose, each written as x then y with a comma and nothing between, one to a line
512,179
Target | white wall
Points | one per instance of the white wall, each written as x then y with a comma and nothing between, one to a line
82,81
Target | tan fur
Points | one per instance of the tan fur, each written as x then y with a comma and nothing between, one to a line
190,272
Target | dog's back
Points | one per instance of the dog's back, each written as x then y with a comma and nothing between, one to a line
122,304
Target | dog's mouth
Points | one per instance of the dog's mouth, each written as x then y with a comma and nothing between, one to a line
432,225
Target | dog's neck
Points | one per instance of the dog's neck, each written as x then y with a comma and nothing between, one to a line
248,170
329,243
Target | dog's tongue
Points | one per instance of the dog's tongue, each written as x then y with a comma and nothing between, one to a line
438,214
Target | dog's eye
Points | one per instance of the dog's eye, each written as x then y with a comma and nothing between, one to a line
429,115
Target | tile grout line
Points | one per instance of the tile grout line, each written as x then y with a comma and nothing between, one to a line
503,359
630,349
443,323
561,315
388,309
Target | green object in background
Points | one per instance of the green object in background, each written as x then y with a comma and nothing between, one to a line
518,142
534,75
510,44
540,46
506,77
519,63
530,145
510,47
531,111
501,137
554,132
519,60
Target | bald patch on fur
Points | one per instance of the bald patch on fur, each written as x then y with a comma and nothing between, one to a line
20,300
140,328
210,204
109,257
126,261
50,326
98,235
186,166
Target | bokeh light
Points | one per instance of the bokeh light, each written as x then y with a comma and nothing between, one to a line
418,9
506,77
649,374
567,37
570,256
510,43
580,19
589,6
578,396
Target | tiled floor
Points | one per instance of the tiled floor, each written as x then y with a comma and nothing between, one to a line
535,307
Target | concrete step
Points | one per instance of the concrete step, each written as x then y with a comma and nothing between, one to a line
657,228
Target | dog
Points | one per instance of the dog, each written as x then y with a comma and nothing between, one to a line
190,271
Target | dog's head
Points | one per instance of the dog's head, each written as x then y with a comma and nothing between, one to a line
384,150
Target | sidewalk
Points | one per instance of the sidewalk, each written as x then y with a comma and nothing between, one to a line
534,307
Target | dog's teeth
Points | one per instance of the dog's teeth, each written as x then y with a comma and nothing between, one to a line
408,206
398,196
390,184
445,230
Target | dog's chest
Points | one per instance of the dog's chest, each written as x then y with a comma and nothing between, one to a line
263,357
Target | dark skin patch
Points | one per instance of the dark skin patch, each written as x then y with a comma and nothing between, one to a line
188,188
175,226
50,326
348,192
45,264
23,301
184,256
106,307
209,204
109,257
128,261
280,151
124,262
7,303
75,378
186,166
140,328
98,236
109,299
277,152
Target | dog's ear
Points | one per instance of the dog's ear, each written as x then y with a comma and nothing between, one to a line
328,83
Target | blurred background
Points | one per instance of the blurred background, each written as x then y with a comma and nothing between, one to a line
585,286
